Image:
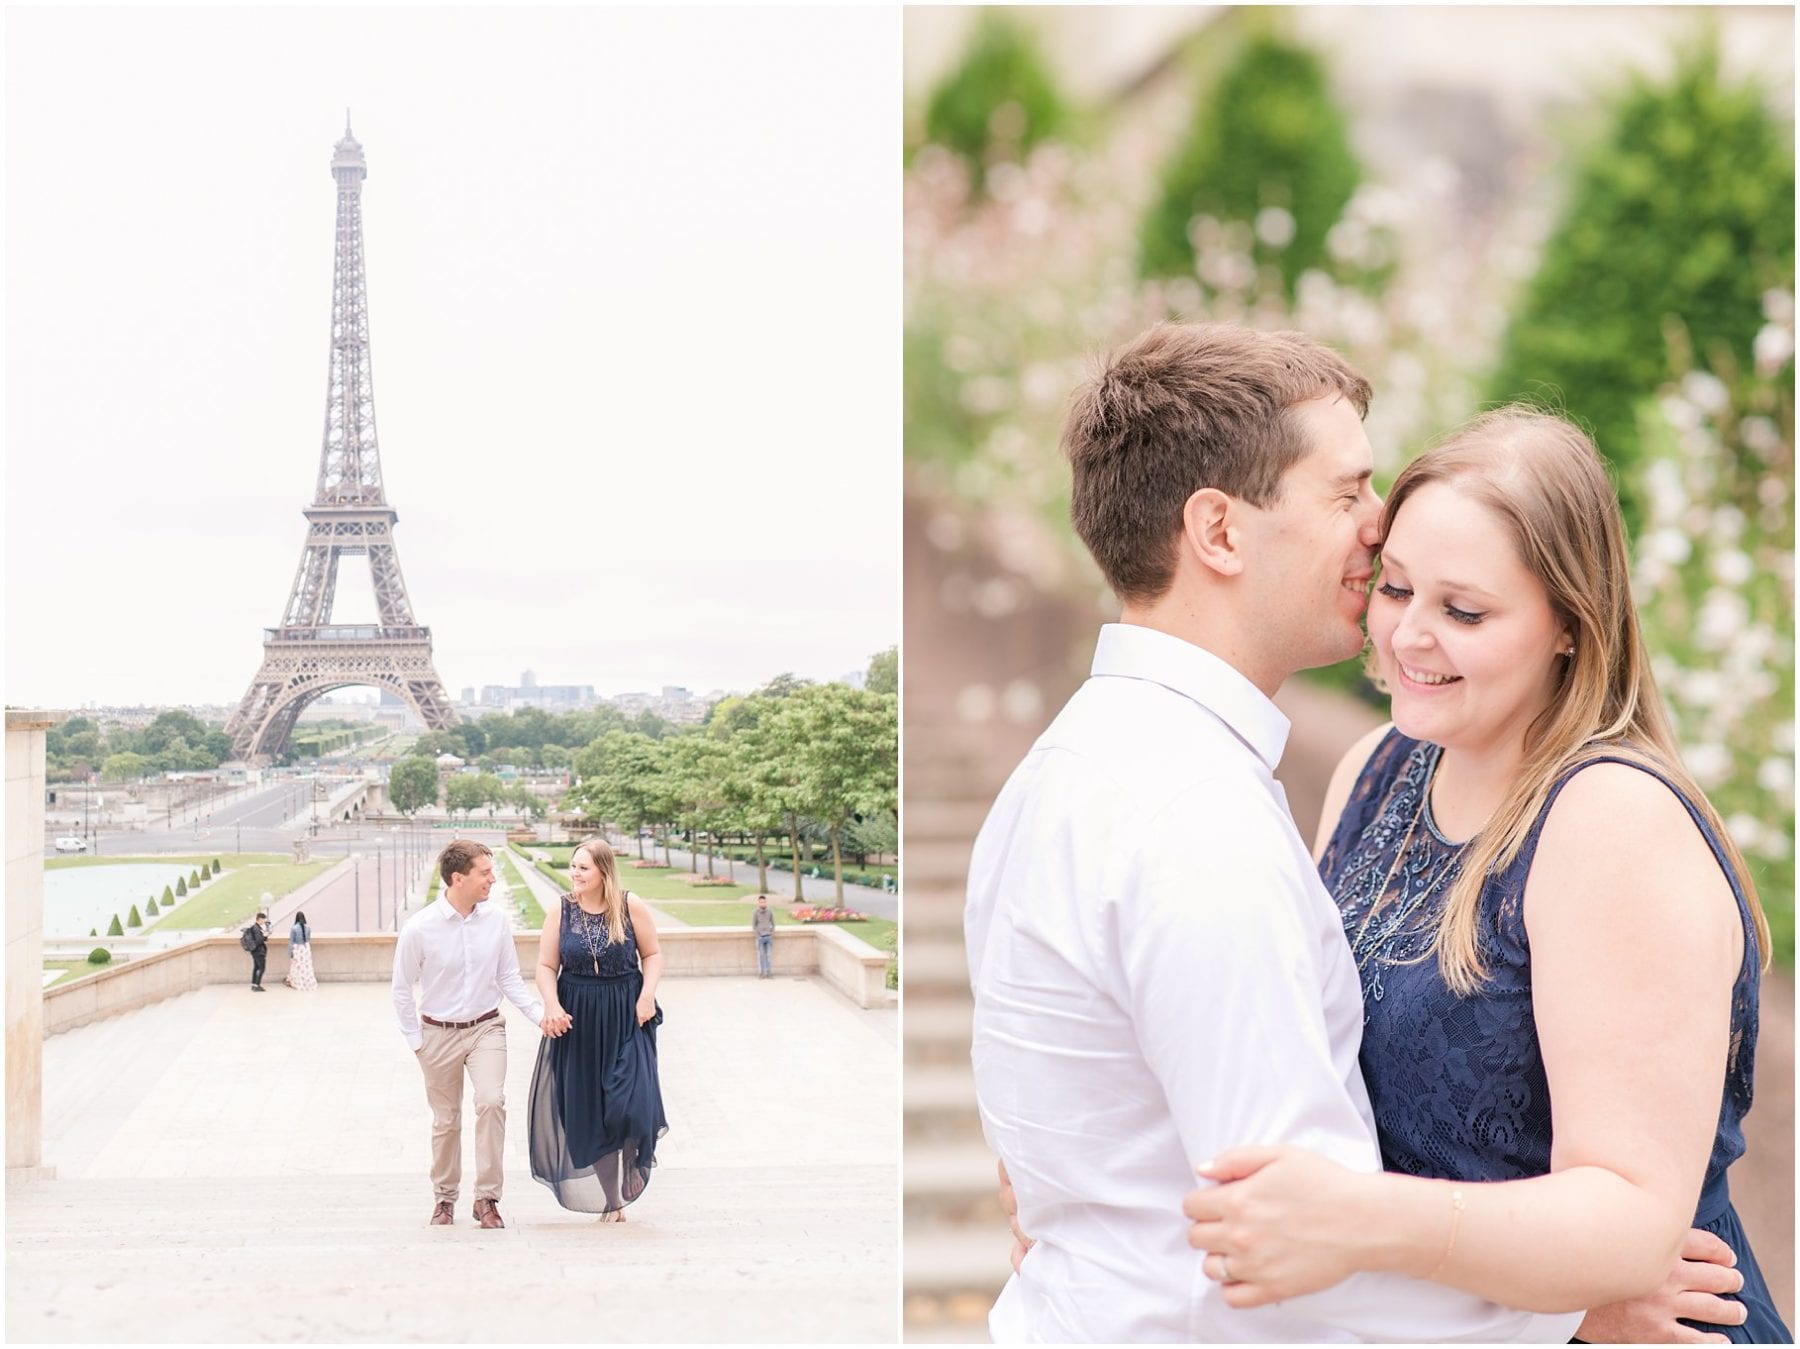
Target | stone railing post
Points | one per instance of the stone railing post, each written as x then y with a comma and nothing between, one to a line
25,943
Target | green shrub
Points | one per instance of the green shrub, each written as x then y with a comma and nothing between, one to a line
168,897
93,932
1266,137
99,956
194,880
134,919
150,909
215,866
1683,210
1000,101
180,886
113,929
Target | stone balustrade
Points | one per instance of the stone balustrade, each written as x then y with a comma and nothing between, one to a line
850,965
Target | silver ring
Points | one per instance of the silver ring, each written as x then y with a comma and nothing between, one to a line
1225,1269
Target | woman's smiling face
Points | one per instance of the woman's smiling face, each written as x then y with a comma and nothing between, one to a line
1464,634
583,874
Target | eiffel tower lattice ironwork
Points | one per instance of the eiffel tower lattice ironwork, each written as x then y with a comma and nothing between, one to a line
308,656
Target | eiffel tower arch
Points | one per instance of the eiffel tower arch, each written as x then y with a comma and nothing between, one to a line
309,655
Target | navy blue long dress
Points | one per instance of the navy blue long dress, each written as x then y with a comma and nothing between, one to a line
1457,1084
596,1107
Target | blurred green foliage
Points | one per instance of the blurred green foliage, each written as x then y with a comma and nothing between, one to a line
1000,101
1267,135
1685,210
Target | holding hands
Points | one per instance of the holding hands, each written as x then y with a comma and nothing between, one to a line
556,1022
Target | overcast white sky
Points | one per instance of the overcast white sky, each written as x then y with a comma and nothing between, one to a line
634,286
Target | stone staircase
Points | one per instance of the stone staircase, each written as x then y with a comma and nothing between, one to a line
709,1256
956,1244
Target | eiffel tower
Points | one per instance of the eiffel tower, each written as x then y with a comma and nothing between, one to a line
308,655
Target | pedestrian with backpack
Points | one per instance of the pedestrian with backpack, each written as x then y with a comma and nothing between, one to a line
255,940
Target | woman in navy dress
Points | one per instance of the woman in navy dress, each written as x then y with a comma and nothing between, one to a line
1559,944
596,1107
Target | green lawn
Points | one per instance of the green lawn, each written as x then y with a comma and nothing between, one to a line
659,885
233,898
229,859
74,969
531,913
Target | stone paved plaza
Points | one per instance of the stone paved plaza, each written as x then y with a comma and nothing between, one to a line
241,1166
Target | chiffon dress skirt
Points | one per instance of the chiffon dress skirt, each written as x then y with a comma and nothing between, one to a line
596,1106
300,968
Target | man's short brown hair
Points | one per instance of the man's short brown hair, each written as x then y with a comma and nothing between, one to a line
1187,406
458,857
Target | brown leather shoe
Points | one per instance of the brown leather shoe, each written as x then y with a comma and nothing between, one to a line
487,1213
444,1214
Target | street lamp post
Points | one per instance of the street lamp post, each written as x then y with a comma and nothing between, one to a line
356,885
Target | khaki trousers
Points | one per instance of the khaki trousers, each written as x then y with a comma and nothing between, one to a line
444,1055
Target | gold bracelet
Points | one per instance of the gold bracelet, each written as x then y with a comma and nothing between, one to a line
1456,1208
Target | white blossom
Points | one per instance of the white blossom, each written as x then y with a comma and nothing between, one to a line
1275,227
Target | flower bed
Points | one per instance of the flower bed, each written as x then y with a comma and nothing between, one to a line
807,913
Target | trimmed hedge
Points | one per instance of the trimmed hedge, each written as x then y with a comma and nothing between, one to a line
99,956
1266,137
1683,212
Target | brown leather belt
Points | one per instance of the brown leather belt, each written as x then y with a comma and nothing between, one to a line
459,1025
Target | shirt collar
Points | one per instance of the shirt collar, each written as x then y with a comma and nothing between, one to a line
452,916
1128,651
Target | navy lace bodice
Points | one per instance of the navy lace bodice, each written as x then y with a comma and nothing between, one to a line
587,948
1457,1083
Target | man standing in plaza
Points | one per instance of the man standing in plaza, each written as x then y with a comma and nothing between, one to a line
255,940
762,923
460,952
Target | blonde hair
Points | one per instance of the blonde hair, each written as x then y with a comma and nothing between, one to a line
612,894
1545,481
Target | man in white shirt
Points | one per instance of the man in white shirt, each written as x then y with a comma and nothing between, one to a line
1159,973
461,954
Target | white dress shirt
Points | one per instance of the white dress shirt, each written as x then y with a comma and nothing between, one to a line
462,966
1160,975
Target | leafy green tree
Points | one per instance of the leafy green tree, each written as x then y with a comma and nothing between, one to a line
846,746
113,929
884,672
529,802
783,685
124,767
696,771
1000,101
464,793
171,726
621,781
77,725
413,785
1682,212
83,745
1267,137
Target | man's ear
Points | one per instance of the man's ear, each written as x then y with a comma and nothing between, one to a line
1209,530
